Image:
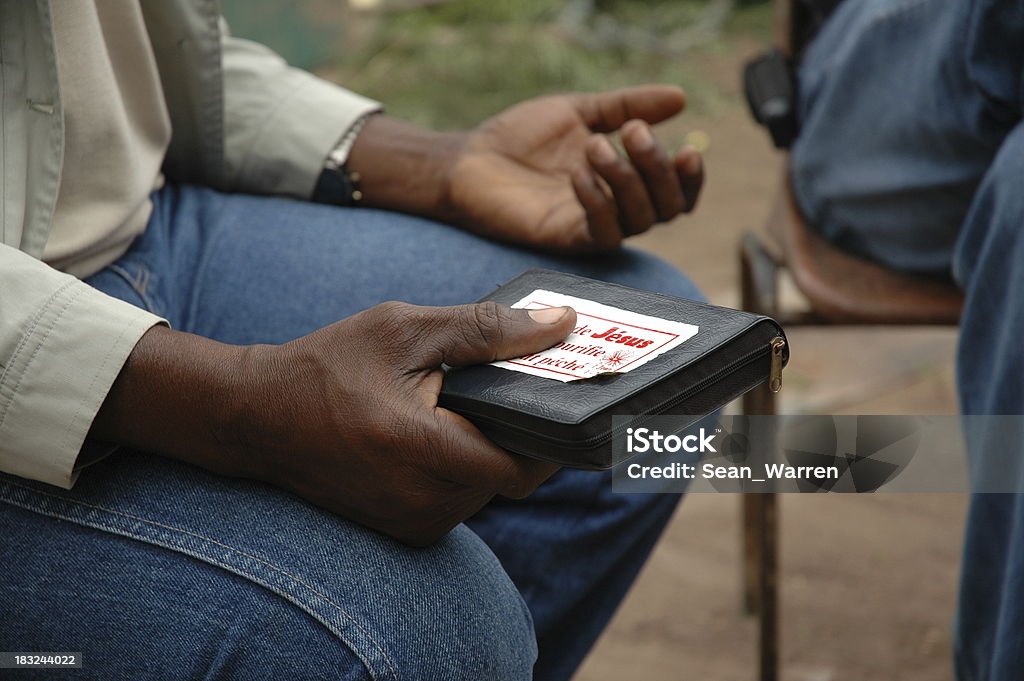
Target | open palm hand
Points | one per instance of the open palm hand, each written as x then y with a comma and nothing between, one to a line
544,174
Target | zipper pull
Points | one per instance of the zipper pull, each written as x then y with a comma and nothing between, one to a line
775,377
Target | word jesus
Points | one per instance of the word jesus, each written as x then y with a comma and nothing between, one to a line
613,335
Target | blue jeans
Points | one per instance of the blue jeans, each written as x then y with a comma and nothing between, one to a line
155,569
912,154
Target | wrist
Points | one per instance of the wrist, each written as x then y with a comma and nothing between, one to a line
405,167
179,395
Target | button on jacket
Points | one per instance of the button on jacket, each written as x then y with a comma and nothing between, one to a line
242,120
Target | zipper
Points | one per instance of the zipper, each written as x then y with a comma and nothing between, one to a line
778,344
775,349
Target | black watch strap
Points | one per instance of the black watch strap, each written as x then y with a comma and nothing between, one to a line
338,185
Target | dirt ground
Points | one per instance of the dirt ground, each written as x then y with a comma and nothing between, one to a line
868,583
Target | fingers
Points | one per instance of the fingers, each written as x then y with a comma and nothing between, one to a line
654,165
523,475
608,111
427,337
472,459
635,210
484,332
626,195
600,209
690,170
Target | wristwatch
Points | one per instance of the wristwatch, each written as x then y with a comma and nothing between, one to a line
337,185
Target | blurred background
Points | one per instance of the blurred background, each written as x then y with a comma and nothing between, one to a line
867,582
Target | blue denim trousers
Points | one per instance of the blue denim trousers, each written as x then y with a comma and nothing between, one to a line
156,570
912,154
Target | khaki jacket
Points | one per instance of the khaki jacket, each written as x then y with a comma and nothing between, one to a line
242,121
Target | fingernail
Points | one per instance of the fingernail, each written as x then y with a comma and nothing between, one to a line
548,315
604,151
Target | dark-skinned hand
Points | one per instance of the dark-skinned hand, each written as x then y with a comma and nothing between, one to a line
345,417
542,174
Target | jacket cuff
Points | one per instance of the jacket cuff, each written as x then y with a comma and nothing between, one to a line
300,133
59,375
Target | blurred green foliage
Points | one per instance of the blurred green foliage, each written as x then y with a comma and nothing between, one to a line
289,28
450,65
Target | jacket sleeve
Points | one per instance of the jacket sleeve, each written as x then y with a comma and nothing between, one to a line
62,344
280,122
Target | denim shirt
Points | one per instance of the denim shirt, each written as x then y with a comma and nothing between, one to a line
242,120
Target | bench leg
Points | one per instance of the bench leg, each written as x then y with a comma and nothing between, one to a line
768,617
760,559
752,532
760,511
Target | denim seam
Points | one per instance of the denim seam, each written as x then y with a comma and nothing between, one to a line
197,279
120,271
239,570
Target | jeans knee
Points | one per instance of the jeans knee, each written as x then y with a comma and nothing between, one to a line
473,623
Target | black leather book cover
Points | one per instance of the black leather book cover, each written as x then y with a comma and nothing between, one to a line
531,413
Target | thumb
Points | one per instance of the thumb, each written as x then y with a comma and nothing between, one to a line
609,111
484,332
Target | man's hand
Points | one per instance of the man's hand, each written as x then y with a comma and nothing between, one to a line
541,174
544,174
346,417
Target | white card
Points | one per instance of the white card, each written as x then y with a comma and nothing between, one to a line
606,340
